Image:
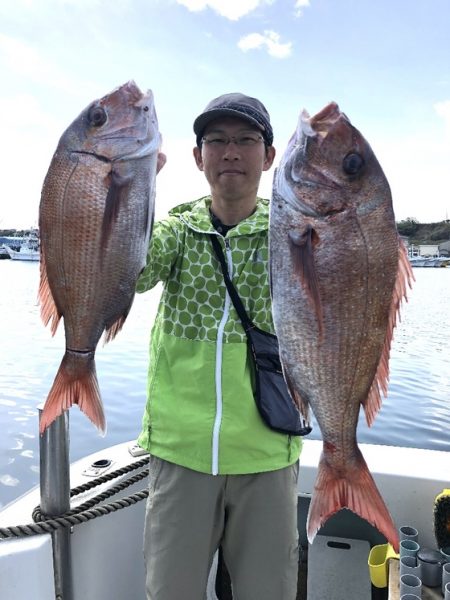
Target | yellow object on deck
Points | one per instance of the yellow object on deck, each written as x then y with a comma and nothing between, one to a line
378,564
442,519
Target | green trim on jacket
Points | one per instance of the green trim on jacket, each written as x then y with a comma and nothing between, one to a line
200,411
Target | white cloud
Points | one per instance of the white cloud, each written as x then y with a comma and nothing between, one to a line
270,39
299,6
231,9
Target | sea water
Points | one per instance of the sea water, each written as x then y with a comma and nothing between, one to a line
416,412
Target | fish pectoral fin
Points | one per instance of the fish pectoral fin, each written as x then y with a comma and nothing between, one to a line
302,245
118,184
352,487
75,383
379,386
299,401
49,310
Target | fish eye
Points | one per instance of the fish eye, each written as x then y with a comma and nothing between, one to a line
146,108
97,116
352,163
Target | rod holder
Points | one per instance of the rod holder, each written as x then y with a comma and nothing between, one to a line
55,497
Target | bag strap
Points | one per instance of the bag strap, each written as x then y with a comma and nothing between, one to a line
240,309
247,323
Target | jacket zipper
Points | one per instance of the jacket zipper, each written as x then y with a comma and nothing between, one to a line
219,358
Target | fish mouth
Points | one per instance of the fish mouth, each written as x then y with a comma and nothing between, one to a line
297,172
321,123
145,149
315,178
317,128
130,88
144,145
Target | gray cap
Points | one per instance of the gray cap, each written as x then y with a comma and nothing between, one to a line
235,105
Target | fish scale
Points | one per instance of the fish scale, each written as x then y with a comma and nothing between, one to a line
338,273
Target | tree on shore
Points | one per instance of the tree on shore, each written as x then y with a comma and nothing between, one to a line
408,226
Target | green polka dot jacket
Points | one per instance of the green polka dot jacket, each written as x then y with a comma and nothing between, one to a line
200,410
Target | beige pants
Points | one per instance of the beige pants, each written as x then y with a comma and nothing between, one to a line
253,517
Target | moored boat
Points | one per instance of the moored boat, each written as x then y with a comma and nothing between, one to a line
28,249
436,261
441,261
4,252
417,261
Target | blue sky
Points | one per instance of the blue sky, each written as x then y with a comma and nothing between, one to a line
386,63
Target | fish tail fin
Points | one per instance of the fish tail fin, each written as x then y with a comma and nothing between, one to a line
75,383
352,488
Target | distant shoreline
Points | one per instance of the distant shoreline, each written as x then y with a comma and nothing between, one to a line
415,232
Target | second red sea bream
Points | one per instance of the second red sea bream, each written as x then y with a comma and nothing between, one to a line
339,272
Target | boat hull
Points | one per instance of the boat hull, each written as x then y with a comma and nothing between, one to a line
32,255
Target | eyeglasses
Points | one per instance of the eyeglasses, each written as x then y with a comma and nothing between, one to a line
219,140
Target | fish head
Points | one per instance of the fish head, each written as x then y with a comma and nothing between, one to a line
328,167
119,126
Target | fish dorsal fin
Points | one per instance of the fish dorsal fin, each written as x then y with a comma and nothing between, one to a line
379,386
302,246
49,311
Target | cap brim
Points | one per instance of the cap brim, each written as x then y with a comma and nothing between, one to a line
205,118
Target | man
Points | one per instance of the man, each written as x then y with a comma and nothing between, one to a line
218,474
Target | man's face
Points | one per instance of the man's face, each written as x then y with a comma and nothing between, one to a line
233,171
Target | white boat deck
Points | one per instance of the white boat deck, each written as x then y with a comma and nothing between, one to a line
107,551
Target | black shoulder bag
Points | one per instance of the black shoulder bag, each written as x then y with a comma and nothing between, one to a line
272,397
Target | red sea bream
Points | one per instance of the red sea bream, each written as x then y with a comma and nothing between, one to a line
95,220
339,273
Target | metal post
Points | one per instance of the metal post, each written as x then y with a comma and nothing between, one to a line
55,497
